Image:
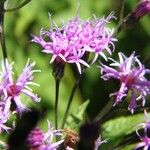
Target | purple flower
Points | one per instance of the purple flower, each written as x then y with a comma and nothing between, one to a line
39,140
146,124
4,116
70,43
145,143
10,90
98,142
145,140
130,72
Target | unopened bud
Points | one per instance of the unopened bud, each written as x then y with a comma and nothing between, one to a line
58,69
141,10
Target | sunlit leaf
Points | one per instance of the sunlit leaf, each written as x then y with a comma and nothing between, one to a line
115,130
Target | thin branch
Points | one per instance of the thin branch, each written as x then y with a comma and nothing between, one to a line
122,4
2,36
105,111
57,83
70,100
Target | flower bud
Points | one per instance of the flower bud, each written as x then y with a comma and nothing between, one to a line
141,10
58,70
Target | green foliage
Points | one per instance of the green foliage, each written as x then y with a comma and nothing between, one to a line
115,130
77,117
12,3
19,26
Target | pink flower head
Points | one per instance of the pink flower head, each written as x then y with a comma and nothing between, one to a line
144,144
4,116
130,72
145,125
11,90
70,43
145,140
39,140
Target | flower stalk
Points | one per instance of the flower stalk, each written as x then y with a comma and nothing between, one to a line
2,36
57,83
70,100
122,10
106,110
58,72
76,84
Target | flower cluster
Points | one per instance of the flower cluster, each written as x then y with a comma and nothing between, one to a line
76,39
39,140
130,72
81,43
145,140
10,90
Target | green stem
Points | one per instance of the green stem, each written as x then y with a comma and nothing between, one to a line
106,109
18,7
122,4
121,19
57,83
2,36
70,100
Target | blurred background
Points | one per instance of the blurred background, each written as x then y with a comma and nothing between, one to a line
21,24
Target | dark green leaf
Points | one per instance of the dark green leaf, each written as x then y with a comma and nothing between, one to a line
114,131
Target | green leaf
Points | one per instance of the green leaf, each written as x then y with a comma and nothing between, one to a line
9,4
75,118
115,130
